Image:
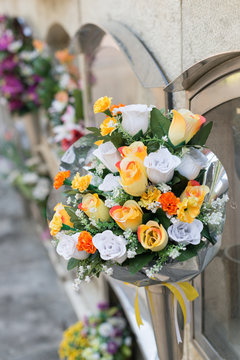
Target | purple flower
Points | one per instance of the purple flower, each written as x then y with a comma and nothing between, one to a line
11,85
112,347
103,306
15,104
32,94
7,64
5,40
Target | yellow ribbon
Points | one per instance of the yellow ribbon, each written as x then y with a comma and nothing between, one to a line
189,291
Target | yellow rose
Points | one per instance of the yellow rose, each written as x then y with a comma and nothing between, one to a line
60,218
152,236
81,183
184,126
133,175
102,104
191,201
108,126
136,149
94,207
128,216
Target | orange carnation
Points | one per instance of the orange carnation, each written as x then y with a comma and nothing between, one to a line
116,107
169,203
60,177
85,243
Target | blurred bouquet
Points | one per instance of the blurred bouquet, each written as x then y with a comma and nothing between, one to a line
103,336
19,78
143,202
66,108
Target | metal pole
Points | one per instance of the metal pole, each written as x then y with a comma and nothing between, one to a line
160,303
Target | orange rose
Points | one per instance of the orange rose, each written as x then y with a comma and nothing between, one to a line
191,201
85,243
137,149
152,236
133,175
128,216
184,126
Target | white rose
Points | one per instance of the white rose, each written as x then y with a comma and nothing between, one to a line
160,166
67,247
185,233
110,183
108,155
110,246
106,329
192,162
135,118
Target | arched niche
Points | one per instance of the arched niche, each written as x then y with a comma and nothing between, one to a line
57,37
116,63
212,88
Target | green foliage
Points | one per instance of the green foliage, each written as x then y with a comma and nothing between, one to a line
159,123
163,219
140,261
191,251
78,104
205,232
202,135
72,263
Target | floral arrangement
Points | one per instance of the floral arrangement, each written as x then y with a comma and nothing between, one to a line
142,202
65,110
18,57
103,336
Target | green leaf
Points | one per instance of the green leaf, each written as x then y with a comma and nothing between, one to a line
72,263
153,146
116,139
94,130
77,94
163,219
139,262
191,251
205,232
159,123
137,136
146,217
73,217
202,135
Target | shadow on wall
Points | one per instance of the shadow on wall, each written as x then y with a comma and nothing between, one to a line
57,37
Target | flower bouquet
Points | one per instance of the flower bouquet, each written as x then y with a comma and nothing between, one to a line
146,203
65,109
103,336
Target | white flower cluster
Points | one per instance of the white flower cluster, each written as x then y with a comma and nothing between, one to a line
110,202
154,206
127,233
131,254
215,218
164,187
99,169
174,253
107,270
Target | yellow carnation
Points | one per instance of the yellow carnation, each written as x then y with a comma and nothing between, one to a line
102,104
150,196
81,183
55,224
108,126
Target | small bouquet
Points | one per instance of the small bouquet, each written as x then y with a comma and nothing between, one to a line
65,111
147,204
103,336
